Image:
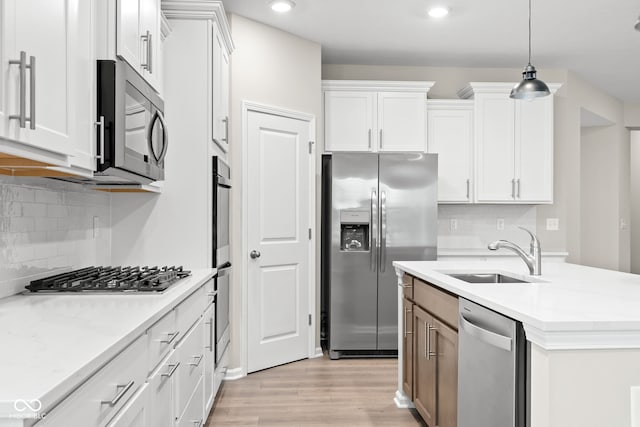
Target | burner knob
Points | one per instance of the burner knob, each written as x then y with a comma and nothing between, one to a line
255,254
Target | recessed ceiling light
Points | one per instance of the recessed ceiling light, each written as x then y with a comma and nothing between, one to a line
282,6
438,12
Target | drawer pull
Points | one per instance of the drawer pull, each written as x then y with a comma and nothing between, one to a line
407,285
173,369
125,389
198,360
197,423
171,337
211,294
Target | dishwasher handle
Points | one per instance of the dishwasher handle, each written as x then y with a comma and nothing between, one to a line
496,340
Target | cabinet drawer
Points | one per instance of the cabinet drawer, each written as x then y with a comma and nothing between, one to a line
191,358
136,411
162,337
407,286
193,415
102,396
209,289
189,311
161,385
436,301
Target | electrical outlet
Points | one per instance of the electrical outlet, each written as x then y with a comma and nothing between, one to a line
500,224
623,224
453,224
553,224
96,226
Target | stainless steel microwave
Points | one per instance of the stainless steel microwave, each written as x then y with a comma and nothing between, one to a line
132,133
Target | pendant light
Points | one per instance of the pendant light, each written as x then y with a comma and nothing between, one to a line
530,87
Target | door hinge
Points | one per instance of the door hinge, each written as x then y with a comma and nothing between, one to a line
310,146
309,234
309,320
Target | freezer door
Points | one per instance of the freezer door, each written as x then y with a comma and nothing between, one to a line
408,228
353,287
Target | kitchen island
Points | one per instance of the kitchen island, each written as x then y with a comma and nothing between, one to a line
583,324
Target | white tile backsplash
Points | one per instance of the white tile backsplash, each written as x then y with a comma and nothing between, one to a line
46,227
477,225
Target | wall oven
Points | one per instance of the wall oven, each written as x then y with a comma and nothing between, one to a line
132,140
221,250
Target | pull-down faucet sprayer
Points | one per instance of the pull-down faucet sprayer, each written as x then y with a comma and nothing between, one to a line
532,259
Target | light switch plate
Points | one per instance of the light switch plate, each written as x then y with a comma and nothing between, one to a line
553,224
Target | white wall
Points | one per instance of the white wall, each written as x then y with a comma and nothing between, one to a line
272,67
46,227
635,201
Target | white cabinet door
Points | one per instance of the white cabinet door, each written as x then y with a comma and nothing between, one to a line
450,125
191,356
161,386
495,118
349,121
138,37
220,89
47,31
209,356
534,150
136,412
402,121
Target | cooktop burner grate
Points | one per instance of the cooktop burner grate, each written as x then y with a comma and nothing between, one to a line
111,279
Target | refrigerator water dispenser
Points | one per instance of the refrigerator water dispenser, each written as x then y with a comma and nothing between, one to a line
354,230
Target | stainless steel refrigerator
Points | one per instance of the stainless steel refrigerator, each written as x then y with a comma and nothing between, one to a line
376,209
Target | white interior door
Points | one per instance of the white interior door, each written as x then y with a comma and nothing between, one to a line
278,238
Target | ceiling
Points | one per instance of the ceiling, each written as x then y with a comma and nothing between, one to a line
593,38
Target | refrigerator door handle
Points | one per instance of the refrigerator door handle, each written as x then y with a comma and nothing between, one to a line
373,239
383,231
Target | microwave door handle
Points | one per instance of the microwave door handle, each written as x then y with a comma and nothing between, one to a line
165,137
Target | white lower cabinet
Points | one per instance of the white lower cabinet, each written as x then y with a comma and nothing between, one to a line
191,357
161,393
194,415
136,412
209,356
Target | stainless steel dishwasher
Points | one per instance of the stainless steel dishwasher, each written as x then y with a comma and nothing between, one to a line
493,369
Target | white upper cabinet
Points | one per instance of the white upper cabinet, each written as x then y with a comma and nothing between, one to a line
375,116
220,88
513,145
138,37
450,124
44,44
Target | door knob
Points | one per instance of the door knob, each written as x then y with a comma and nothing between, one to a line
255,254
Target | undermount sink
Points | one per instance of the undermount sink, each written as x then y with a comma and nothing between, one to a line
486,278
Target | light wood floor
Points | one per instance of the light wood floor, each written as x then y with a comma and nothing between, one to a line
315,392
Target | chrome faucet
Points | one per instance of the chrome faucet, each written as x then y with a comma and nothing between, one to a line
532,259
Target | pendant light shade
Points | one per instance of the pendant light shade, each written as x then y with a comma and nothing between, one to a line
530,87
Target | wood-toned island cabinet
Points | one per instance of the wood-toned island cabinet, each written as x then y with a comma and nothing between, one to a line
430,351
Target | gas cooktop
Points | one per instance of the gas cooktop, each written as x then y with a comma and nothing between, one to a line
111,280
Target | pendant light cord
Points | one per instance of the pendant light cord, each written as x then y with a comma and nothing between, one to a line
529,32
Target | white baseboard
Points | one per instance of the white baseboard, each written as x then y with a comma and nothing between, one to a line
318,353
233,374
402,401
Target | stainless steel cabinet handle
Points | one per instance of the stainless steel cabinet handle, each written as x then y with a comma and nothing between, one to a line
513,188
373,236
518,182
226,129
427,346
171,337
406,286
197,423
406,311
211,294
146,38
198,360
100,125
210,346
125,389
255,254
22,115
468,189
383,232
380,138
369,139
171,371
482,334
150,52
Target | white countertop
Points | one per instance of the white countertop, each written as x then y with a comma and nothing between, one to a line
570,307
51,343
